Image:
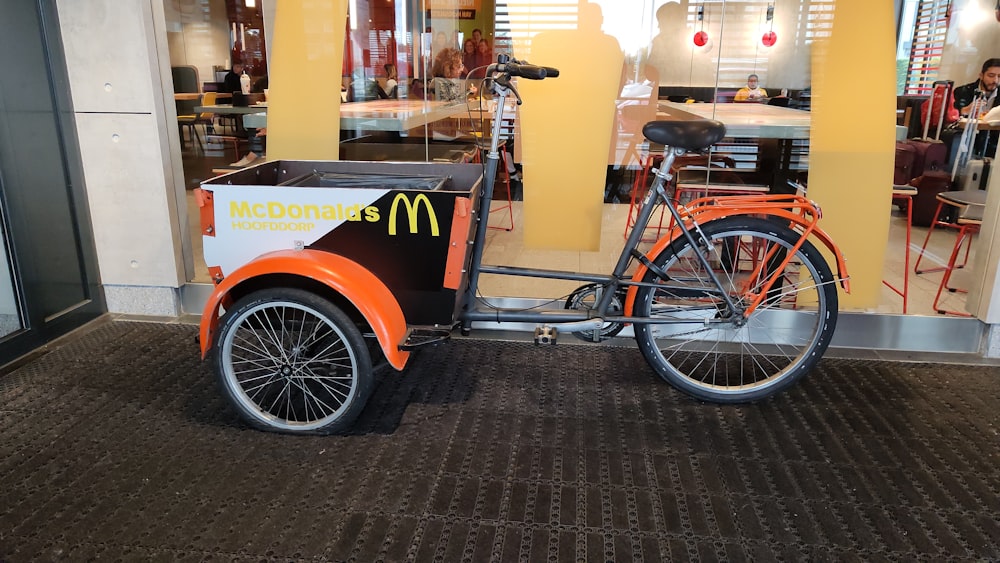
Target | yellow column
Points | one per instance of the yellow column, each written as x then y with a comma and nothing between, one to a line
852,139
565,130
303,116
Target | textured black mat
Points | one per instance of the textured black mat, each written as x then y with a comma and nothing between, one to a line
118,445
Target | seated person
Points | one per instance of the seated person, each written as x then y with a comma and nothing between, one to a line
231,82
985,90
391,82
447,70
752,92
985,86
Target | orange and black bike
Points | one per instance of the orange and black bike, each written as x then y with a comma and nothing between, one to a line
735,303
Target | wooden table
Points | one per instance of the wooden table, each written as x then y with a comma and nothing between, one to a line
758,121
377,115
231,109
774,127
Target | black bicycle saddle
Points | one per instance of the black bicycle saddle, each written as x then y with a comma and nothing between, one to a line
689,135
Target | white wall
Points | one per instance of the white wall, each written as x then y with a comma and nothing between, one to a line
198,34
735,40
126,123
973,37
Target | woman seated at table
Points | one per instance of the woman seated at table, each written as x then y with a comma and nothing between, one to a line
752,92
447,70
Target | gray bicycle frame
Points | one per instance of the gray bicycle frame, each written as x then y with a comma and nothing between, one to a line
609,282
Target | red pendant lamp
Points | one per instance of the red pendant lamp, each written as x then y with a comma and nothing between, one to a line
701,37
770,37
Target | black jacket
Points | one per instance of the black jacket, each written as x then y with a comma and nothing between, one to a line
986,141
967,92
231,83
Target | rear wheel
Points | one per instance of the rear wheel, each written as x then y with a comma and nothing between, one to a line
715,356
290,361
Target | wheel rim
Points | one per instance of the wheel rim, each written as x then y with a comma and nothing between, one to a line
747,355
289,365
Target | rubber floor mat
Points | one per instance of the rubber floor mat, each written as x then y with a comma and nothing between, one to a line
117,445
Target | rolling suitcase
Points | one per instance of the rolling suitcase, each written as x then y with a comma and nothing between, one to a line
932,153
974,175
903,171
965,146
929,185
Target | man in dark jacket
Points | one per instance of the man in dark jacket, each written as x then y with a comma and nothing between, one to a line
985,87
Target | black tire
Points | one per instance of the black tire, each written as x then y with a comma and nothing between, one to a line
740,360
290,361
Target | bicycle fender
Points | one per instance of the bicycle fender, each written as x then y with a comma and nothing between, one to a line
665,241
842,274
356,283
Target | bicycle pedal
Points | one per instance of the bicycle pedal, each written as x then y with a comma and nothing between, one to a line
545,335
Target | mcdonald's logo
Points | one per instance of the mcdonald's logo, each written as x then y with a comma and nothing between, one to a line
412,211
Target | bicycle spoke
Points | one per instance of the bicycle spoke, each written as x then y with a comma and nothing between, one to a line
290,366
700,345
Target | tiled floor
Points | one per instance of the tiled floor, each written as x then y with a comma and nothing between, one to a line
508,248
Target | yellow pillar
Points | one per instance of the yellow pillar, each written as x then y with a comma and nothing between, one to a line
852,139
303,116
565,130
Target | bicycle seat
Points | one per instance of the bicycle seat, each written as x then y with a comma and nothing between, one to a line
689,135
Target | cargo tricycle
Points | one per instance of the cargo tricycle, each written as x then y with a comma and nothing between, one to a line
324,270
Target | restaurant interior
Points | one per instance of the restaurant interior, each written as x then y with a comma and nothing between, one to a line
634,62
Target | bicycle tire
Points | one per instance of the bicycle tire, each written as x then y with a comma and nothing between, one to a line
290,361
730,362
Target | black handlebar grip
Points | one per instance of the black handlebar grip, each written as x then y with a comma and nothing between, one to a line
530,72
551,72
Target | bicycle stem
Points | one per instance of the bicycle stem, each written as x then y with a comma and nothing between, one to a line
486,195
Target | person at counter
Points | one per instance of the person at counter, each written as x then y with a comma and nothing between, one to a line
752,92
447,71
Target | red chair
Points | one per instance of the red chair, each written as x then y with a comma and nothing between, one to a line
903,195
967,207
710,164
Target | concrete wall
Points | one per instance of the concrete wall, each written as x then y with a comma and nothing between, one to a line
126,123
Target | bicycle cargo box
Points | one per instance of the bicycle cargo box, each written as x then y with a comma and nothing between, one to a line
409,223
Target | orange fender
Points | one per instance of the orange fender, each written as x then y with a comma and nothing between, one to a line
675,232
355,282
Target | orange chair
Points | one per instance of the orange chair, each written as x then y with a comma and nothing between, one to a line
207,118
968,206
904,195
703,165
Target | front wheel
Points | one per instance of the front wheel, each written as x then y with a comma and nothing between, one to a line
708,353
290,361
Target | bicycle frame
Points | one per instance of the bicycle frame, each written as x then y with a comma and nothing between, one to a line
796,211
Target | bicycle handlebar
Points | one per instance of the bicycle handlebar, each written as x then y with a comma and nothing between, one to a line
514,67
